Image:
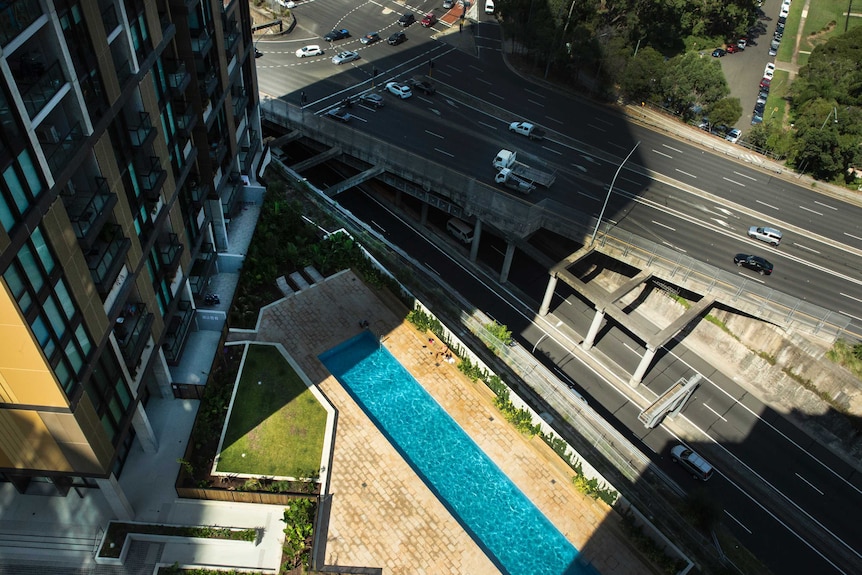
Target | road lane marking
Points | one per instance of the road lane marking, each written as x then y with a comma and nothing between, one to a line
554,151
677,248
826,205
430,133
560,122
457,69
686,174
811,485
672,148
767,205
662,153
664,225
850,296
812,250
483,81
852,236
621,147
602,120
580,167
444,152
717,414
842,312
432,269
378,226
746,276
476,68
586,195
496,95
740,184
536,94
488,125
810,210
539,104
746,176
596,128
737,521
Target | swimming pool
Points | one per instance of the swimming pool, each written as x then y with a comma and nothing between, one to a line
511,530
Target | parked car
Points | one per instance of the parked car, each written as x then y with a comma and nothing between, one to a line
704,124
759,108
489,6
718,53
403,91
756,119
733,135
732,49
765,82
769,71
397,38
719,130
371,100
447,4
428,20
338,114
420,84
346,56
742,43
763,94
370,38
755,263
406,19
773,47
695,464
306,51
337,35
764,234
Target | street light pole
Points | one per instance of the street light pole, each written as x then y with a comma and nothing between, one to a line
610,190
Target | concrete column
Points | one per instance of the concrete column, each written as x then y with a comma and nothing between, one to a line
474,248
116,498
549,294
423,217
144,431
594,329
507,261
646,360
162,376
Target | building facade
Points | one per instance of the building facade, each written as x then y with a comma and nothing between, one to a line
128,130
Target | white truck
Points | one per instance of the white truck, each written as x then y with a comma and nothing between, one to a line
506,178
532,131
509,160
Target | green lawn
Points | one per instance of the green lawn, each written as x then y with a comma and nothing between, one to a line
826,18
276,426
776,103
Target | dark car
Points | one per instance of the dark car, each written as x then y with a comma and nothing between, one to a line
337,35
257,53
370,38
755,263
422,85
719,130
759,107
763,94
372,100
718,53
397,38
339,114
406,19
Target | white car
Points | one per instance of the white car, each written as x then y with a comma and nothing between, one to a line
312,50
733,136
346,56
769,71
403,91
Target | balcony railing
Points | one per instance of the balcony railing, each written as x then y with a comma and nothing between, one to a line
110,19
231,195
151,176
132,332
177,329
240,101
201,42
59,149
202,269
15,17
125,72
143,133
208,85
185,118
178,77
247,153
230,41
105,258
39,93
88,209
218,150
169,248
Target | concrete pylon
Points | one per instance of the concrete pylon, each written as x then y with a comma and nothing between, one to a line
594,329
644,364
144,431
116,498
474,247
507,261
549,295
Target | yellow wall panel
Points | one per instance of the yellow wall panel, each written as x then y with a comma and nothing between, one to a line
26,442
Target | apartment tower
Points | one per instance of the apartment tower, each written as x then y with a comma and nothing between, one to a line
129,129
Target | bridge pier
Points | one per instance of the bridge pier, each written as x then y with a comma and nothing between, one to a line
594,329
643,366
549,295
507,261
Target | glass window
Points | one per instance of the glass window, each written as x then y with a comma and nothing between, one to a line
74,356
42,249
31,268
65,299
109,427
7,218
64,376
19,290
123,395
52,312
30,173
83,339
13,184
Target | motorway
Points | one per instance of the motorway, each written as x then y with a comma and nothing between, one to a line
783,495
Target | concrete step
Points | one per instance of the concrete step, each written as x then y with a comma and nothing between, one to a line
55,543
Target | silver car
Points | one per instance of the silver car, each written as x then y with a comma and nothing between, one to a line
346,56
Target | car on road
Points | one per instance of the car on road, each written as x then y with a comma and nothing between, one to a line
337,35
756,263
306,51
346,56
371,100
403,91
428,20
765,234
420,84
447,4
694,463
339,114
370,38
397,38
718,53
406,19
257,53
733,135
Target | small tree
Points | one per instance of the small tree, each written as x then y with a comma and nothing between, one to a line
726,111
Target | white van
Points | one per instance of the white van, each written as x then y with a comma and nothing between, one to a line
489,6
462,231
699,467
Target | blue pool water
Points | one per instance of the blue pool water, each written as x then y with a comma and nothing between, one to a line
493,510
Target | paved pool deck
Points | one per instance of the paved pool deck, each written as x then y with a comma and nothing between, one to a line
381,514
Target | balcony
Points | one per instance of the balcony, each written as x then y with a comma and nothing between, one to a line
110,19
195,193
247,153
44,86
125,73
15,17
240,101
177,329
105,258
178,77
218,150
207,86
88,209
169,248
59,148
151,176
202,41
185,119
231,194
230,42
132,331
142,134
202,269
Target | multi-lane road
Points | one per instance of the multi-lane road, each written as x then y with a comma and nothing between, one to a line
783,495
